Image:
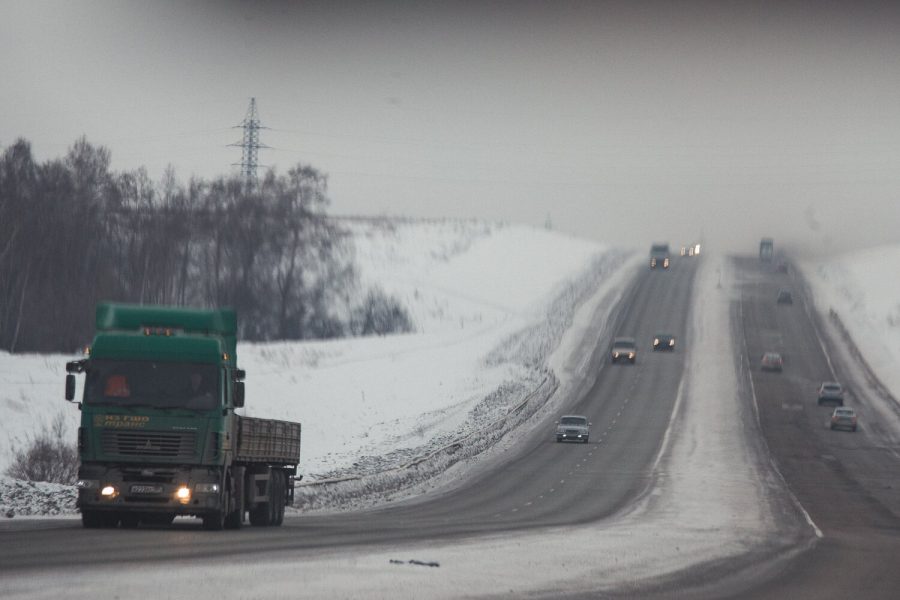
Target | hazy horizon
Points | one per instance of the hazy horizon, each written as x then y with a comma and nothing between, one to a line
623,122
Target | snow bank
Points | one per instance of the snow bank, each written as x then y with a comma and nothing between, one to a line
864,290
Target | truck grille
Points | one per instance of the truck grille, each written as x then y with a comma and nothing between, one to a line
166,444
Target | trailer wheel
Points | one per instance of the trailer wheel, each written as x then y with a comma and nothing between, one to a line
278,498
260,514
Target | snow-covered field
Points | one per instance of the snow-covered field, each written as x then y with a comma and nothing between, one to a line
372,403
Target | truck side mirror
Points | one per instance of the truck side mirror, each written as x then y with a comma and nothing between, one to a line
238,394
70,387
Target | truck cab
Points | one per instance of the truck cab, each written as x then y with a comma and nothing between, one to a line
766,250
659,256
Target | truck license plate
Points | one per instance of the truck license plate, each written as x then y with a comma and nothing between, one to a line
146,489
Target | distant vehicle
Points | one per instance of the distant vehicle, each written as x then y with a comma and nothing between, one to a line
766,250
831,392
771,361
659,256
784,297
573,428
624,348
664,341
843,418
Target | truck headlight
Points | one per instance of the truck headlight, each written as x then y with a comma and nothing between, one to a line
207,488
87,484
183,494
109,491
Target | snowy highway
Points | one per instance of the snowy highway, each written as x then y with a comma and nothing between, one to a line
846,482
704,477
537,483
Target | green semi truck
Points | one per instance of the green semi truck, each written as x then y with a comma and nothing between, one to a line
159,436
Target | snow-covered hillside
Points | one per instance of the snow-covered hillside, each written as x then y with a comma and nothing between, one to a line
862,288
370,403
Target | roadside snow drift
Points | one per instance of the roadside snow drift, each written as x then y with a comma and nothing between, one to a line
864,290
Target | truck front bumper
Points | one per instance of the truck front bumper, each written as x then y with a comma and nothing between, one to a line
189,491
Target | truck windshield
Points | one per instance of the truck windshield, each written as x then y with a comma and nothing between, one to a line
155,384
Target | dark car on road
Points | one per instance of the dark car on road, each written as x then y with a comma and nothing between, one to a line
664,341
573,428
784,297
843,418
624,348
831,392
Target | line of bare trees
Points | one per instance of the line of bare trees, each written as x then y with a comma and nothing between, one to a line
72,233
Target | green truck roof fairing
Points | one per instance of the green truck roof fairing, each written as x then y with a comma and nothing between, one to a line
197,335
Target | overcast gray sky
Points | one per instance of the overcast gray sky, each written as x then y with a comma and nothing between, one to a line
625,122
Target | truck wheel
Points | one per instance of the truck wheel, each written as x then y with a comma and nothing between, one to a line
214,521
91,519
235,519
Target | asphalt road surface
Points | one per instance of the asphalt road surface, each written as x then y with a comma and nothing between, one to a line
537,483
847,482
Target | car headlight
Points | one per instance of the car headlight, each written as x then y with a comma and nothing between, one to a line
671,342
656,341
109,491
